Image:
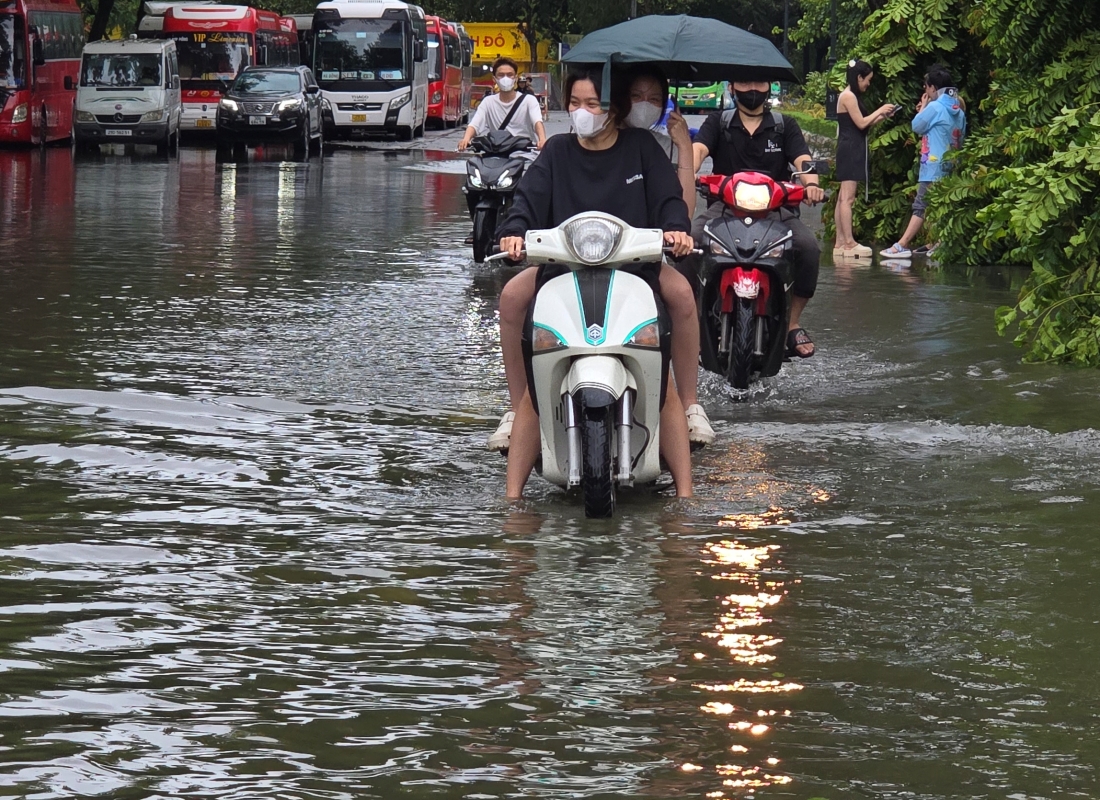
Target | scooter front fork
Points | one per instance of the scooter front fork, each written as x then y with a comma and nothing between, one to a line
625,476
624,419
573,432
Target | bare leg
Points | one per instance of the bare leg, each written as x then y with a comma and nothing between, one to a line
845,239
911,230
514,301
524,448
674,444
677,294
798,305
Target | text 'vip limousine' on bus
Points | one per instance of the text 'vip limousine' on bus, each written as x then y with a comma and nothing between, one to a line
370,58
40,44
215,43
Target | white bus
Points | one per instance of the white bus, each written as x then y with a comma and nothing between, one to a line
370,58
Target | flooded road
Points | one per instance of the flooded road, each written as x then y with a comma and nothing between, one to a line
252,544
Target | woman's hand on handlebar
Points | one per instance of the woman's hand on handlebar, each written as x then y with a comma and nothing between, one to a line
680,243
513,246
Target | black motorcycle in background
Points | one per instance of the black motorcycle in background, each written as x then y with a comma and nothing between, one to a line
744,287
491,177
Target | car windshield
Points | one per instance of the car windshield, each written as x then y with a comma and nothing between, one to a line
212,57
13,62
120,69
257,82
360,50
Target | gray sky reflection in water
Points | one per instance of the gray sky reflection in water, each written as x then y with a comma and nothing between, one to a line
251,544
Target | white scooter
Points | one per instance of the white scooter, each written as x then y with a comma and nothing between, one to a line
597,348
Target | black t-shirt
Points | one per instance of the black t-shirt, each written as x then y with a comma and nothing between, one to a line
764,151
633,179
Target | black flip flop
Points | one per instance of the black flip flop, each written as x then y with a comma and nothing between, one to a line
798,337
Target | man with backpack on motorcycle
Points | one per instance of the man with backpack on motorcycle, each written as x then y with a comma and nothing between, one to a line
511,110
750,138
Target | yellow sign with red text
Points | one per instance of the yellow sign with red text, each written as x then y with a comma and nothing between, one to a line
493,40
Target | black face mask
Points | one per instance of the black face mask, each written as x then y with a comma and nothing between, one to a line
752,99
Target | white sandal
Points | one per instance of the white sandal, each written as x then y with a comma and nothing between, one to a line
699,429
502,436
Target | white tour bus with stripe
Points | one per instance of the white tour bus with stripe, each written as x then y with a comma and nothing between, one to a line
370,58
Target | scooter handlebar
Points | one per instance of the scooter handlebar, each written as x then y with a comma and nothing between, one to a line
668,251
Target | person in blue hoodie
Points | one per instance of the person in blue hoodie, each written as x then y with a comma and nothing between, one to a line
941,124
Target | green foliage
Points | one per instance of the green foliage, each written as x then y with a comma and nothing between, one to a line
811,123
1027,187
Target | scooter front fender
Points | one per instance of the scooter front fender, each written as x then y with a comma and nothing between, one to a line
607,373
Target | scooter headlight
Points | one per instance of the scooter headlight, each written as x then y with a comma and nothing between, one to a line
719,249
545,339
776,252
505,181
474,174
592,239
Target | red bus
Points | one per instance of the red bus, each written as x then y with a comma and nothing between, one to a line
40,44
445,68
215,43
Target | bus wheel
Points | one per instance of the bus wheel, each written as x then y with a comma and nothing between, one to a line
406,133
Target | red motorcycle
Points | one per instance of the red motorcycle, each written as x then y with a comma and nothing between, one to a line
745,286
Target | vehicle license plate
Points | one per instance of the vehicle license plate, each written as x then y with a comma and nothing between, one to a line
203,123
118,132
257,120
358,117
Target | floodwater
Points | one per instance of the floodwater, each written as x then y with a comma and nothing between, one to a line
252,544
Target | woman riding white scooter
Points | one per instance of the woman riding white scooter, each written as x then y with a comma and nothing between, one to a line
618,171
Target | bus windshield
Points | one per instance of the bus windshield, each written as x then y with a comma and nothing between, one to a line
435,58
212,57
13,61
360,50
120,69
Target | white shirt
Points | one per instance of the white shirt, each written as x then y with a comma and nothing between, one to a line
492,111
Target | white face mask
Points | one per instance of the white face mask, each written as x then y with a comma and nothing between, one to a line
507,83
586,124
644,115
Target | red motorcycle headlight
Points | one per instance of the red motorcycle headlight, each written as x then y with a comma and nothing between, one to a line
752,197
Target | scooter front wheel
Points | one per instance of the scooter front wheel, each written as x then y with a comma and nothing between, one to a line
485,228
597,473
741,344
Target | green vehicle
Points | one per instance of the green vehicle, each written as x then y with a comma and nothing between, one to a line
706,96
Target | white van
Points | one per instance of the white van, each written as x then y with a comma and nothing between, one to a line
129,92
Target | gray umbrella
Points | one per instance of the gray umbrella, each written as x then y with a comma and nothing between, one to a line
686,48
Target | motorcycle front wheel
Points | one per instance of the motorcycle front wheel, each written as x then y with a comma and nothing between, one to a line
485,228
741,344
597,478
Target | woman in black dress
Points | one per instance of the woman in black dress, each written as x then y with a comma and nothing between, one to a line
852,158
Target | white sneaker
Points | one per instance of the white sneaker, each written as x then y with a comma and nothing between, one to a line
699,429
502,436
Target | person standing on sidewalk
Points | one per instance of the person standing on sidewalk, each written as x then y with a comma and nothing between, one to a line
852,156
941,124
